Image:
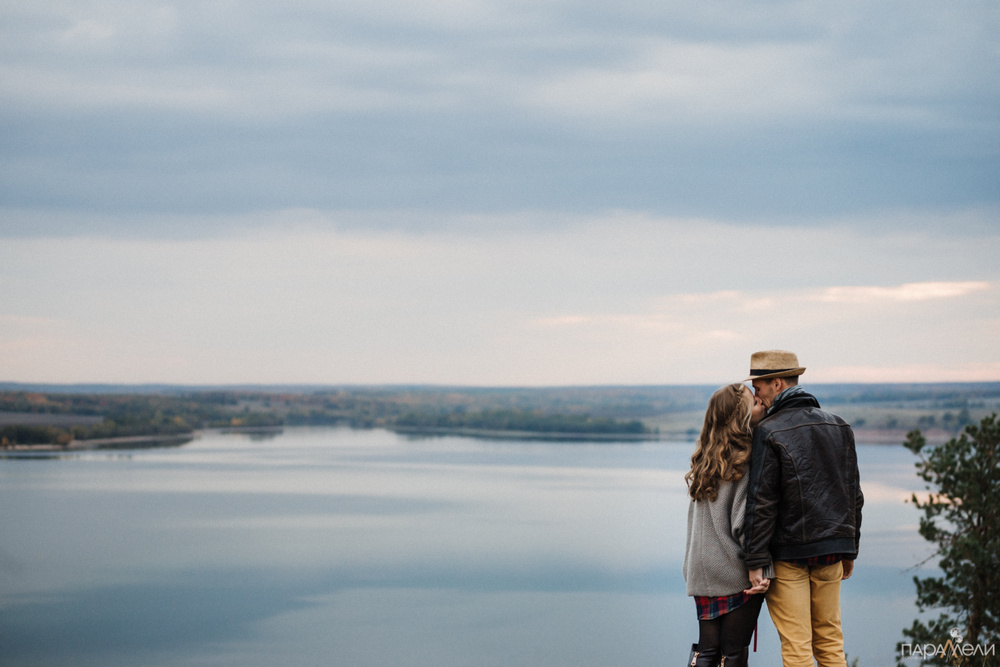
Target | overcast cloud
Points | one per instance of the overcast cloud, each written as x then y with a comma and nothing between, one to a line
546,192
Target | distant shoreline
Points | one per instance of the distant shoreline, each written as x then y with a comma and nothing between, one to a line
55,422
499,434
863,436
123,442
135,441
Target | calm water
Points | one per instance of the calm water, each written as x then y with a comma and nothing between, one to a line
341,547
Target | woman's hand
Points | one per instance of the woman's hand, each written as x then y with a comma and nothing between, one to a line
758,584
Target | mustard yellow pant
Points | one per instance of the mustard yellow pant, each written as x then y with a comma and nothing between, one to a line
804,603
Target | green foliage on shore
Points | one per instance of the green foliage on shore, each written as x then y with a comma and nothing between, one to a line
24,434
961,517
123,415
520,420
117,416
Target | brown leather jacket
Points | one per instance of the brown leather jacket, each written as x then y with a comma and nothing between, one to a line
804,497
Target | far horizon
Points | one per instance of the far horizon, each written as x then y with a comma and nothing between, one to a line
97,387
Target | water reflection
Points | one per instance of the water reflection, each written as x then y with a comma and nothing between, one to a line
328,546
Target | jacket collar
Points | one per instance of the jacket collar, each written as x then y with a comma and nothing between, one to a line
793,397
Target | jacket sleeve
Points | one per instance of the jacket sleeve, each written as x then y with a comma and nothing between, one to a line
762,502
859,498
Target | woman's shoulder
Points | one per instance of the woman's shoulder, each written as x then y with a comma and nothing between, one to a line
733,487
726,492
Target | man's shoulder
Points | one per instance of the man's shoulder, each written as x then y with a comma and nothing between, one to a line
799,417
819,415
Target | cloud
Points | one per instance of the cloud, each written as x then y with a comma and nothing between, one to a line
9,322
978,371
88,31
717,60
751,112
882,342
695,82
736,303
621,299
907,292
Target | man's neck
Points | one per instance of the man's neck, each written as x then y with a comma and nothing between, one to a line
785,394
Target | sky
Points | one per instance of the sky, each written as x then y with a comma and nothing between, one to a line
498,192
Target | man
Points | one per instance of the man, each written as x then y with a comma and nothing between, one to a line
803,512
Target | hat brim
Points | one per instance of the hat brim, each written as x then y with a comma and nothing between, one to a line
786,373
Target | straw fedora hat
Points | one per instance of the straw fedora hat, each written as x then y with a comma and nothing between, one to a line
774,364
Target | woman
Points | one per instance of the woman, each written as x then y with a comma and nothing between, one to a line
717,483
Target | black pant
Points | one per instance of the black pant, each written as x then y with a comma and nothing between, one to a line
730,632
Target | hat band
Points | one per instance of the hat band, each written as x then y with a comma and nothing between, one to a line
768,372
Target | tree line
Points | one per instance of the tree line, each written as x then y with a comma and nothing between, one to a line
529,421
120,416
125,415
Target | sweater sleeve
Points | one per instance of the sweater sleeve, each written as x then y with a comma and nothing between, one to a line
737,512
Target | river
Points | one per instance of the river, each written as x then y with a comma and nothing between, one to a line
325,546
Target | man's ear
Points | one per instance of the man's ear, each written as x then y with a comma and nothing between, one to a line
780,385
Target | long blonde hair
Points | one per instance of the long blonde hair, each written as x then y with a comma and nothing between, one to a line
723,450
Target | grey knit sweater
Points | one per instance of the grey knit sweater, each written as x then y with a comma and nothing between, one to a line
713,565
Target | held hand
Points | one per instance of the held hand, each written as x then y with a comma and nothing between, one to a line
758,584
848,568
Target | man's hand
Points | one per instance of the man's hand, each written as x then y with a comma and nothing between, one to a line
758,584
848,568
